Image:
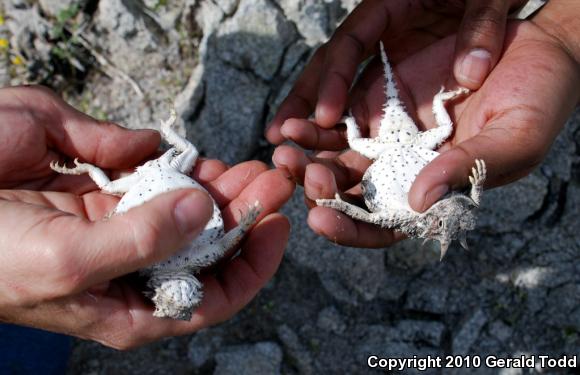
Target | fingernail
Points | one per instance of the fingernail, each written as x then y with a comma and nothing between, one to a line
475,67
433,196
190,212
284,130
99,289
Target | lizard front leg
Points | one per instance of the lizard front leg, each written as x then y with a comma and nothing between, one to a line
119,186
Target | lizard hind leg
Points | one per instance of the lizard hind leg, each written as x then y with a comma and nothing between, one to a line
185,161
175,294
119,186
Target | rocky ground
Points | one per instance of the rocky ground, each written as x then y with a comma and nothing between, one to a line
228,64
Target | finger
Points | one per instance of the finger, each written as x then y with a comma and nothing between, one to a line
71,254
324,84
291,162
353,41
122,319
301,100
480,41
342,230
241,279
225,294
319,182
103,143
509,152
232,182
348,168
310,136
270,189
334,225
144,235
78,135
207,170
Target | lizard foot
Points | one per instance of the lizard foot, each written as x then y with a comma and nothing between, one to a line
477,178
443,95
331,203
249,218
79,168
478,173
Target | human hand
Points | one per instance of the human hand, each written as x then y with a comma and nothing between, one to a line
405,27
510,122
60,264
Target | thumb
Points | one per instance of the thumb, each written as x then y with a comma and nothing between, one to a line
144,235
69,253
480,40
507,159
76,134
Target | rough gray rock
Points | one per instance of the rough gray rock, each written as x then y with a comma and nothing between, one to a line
428,297
295,350
513,204
255,38
227,127
329,319
230,63
260,358
315,19
468,332
403,340
350,275
203,345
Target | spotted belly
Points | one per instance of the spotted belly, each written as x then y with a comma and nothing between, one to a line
387,182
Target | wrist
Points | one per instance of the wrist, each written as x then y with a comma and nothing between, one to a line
561,20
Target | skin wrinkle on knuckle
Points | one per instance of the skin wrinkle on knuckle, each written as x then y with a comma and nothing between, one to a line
296,95
346,40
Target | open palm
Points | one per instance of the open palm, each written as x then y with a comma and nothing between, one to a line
510,122
61,263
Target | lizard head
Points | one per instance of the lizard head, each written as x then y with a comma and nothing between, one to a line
450,219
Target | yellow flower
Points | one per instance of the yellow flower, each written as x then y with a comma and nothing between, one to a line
3,43
1,19
17,60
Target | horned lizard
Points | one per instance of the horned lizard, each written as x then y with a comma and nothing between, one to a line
400,152
175,290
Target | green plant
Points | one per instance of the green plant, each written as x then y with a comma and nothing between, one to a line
64,20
